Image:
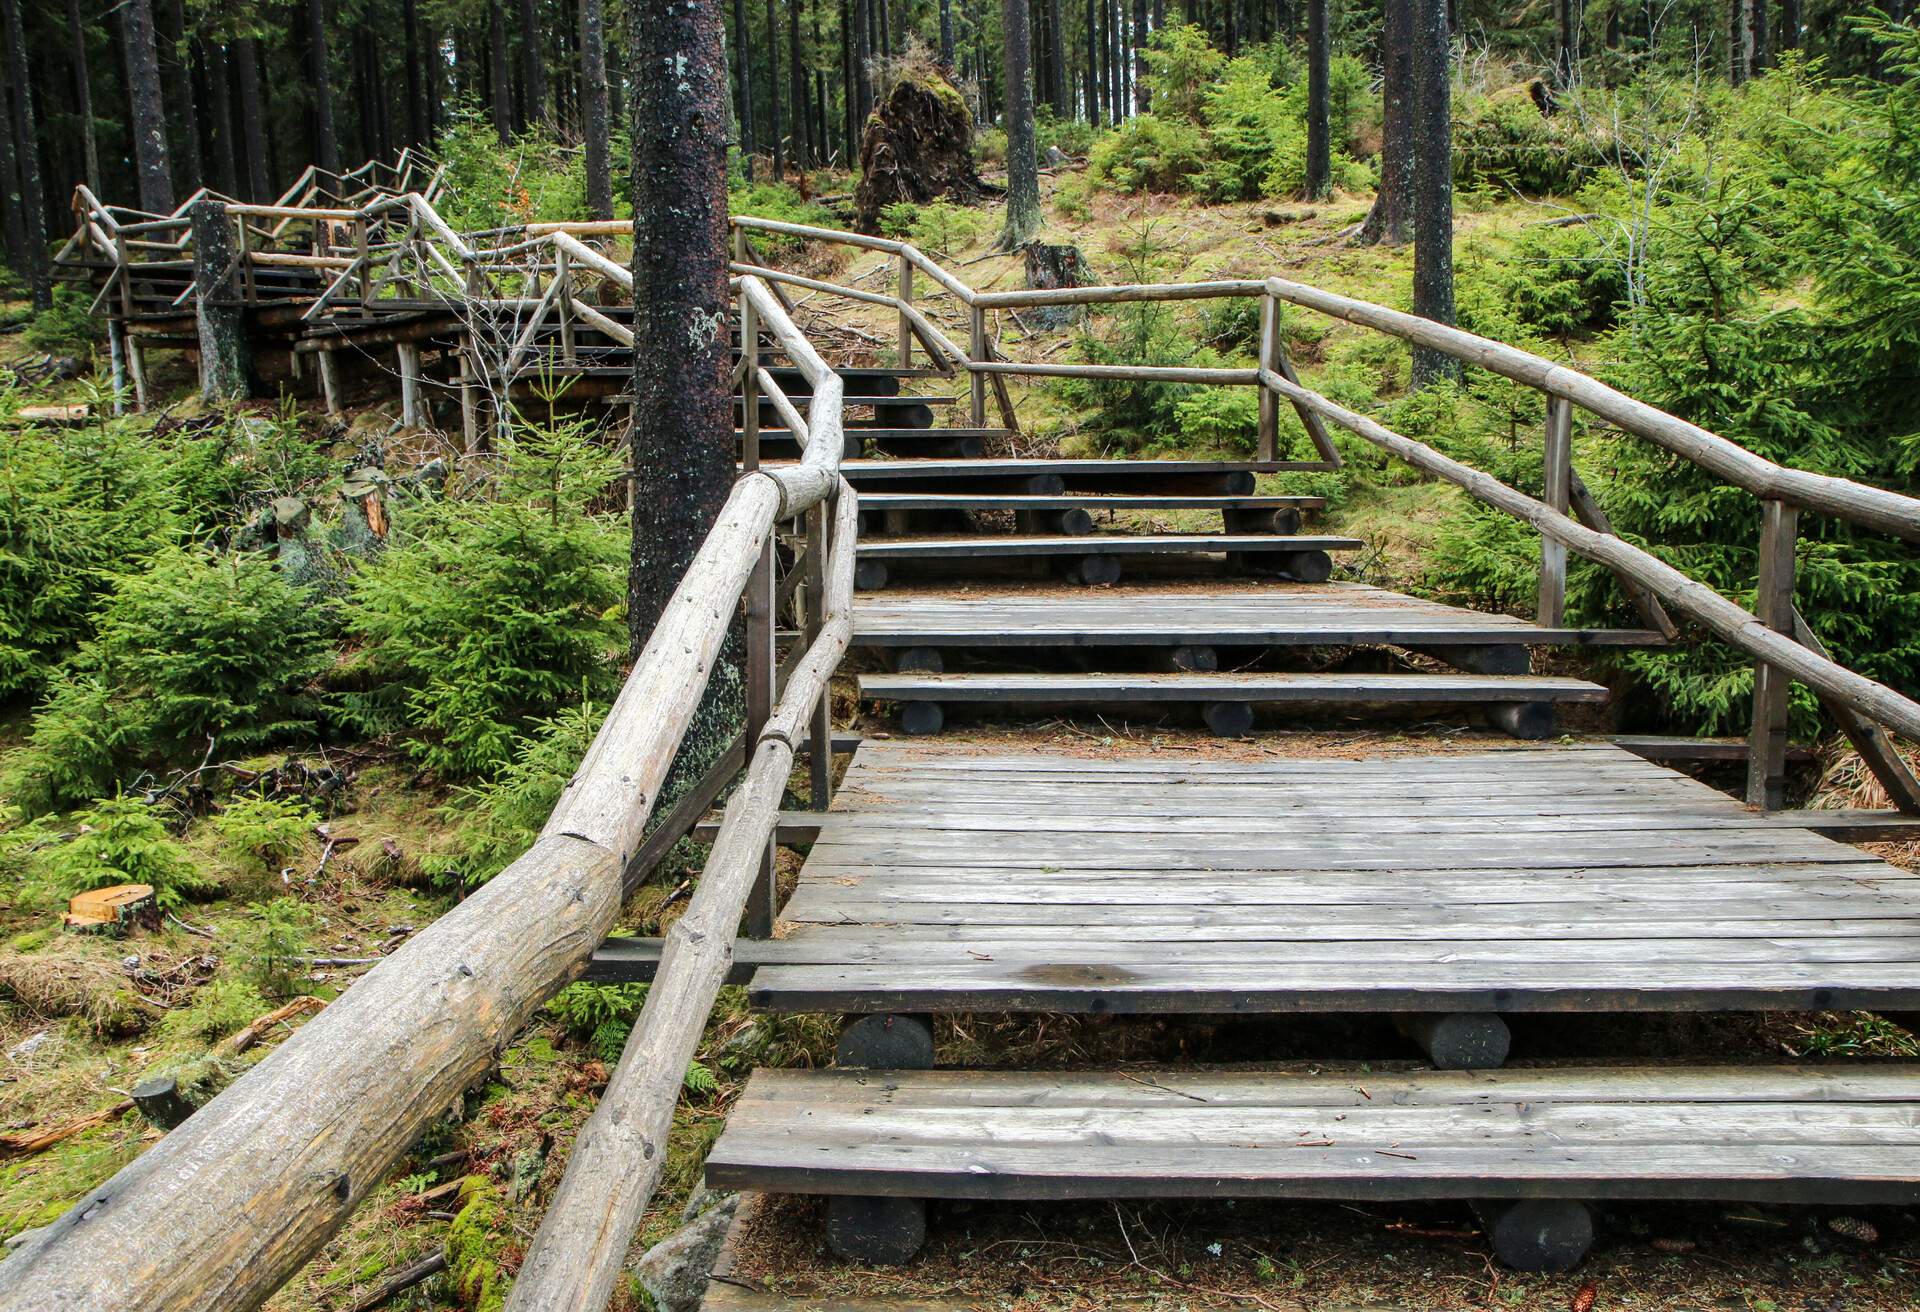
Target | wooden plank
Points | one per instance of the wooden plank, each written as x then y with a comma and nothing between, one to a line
1766,1135
1185,687
1131,544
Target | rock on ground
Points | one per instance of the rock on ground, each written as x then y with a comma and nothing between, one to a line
674,1271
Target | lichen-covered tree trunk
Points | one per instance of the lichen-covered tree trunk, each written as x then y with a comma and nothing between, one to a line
593,99
1319,128
33,203
1432,139
1023,170
219,313
149,125
1390,220
683,434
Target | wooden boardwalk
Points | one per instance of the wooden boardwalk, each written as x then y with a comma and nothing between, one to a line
1556,878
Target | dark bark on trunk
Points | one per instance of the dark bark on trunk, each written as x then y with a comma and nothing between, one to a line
253,119
533,60
1023,170
148,121
226,158
499,80
1737,53
946,33
683,434
417,62
1139,56
1390,219
435,82
178,89
1059,93
774,140
1759,42
803,149
1789,24
849,96
1093,67
83,94
218,310
593,76
1319,126
13,219
326,139
26,151
1433,183
1567,12
743,77
862,75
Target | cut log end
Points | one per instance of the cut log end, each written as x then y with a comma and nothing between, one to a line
1460,1040
922,719
876,1231
1542,1235
886,1042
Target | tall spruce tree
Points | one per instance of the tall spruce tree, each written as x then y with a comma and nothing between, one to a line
1432,139
33,201
683,433
1319,126
1390,220
147,108
1023,170
594,119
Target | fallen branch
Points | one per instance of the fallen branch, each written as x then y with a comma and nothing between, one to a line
238,1043
25,1144
405,1278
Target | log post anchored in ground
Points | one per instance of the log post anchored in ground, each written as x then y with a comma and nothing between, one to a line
219,309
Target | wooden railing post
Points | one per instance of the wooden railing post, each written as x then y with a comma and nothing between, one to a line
366,265
412,412
1269,359
906,299
976,354
1773,606
563,302
1557,466
763,901
820,749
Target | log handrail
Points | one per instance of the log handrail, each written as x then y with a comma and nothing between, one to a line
232,1202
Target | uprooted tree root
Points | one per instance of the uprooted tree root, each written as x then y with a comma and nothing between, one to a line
918,147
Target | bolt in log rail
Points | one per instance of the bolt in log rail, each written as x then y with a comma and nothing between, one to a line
227,1206
1778,638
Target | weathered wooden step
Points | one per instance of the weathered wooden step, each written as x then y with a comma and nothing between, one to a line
1046,477
1331,614
1521,704
1073,513
963,443
1095,558
889,412
884,1141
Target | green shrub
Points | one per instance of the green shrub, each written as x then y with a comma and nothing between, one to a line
219,1007
499,819
77,508
68,327
228,472
1502,142
484,616
117,840
938,227
600,1015
1224,419
1148,153
273,948
199,653
1070,136
783,203
262,834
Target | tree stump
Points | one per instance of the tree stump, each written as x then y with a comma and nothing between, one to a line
1050,268
918,147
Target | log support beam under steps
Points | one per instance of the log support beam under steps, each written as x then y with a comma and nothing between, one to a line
1459,1040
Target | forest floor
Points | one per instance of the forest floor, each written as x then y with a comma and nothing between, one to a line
82,1018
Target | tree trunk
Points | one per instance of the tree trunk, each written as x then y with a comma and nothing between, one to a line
149,116
1093,66
499,79
1059,92
946,33
1789,24
593,75
743,78
1319,125
226,160
435,82
804,153
533,59
1739,55
219,313
26,150
178,89
1139,56
326,140
1433,183
683,433
253,119
773,93
1023,170
13,219
1566,46
862,68
83,93
417,62
1389,221
1759,45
